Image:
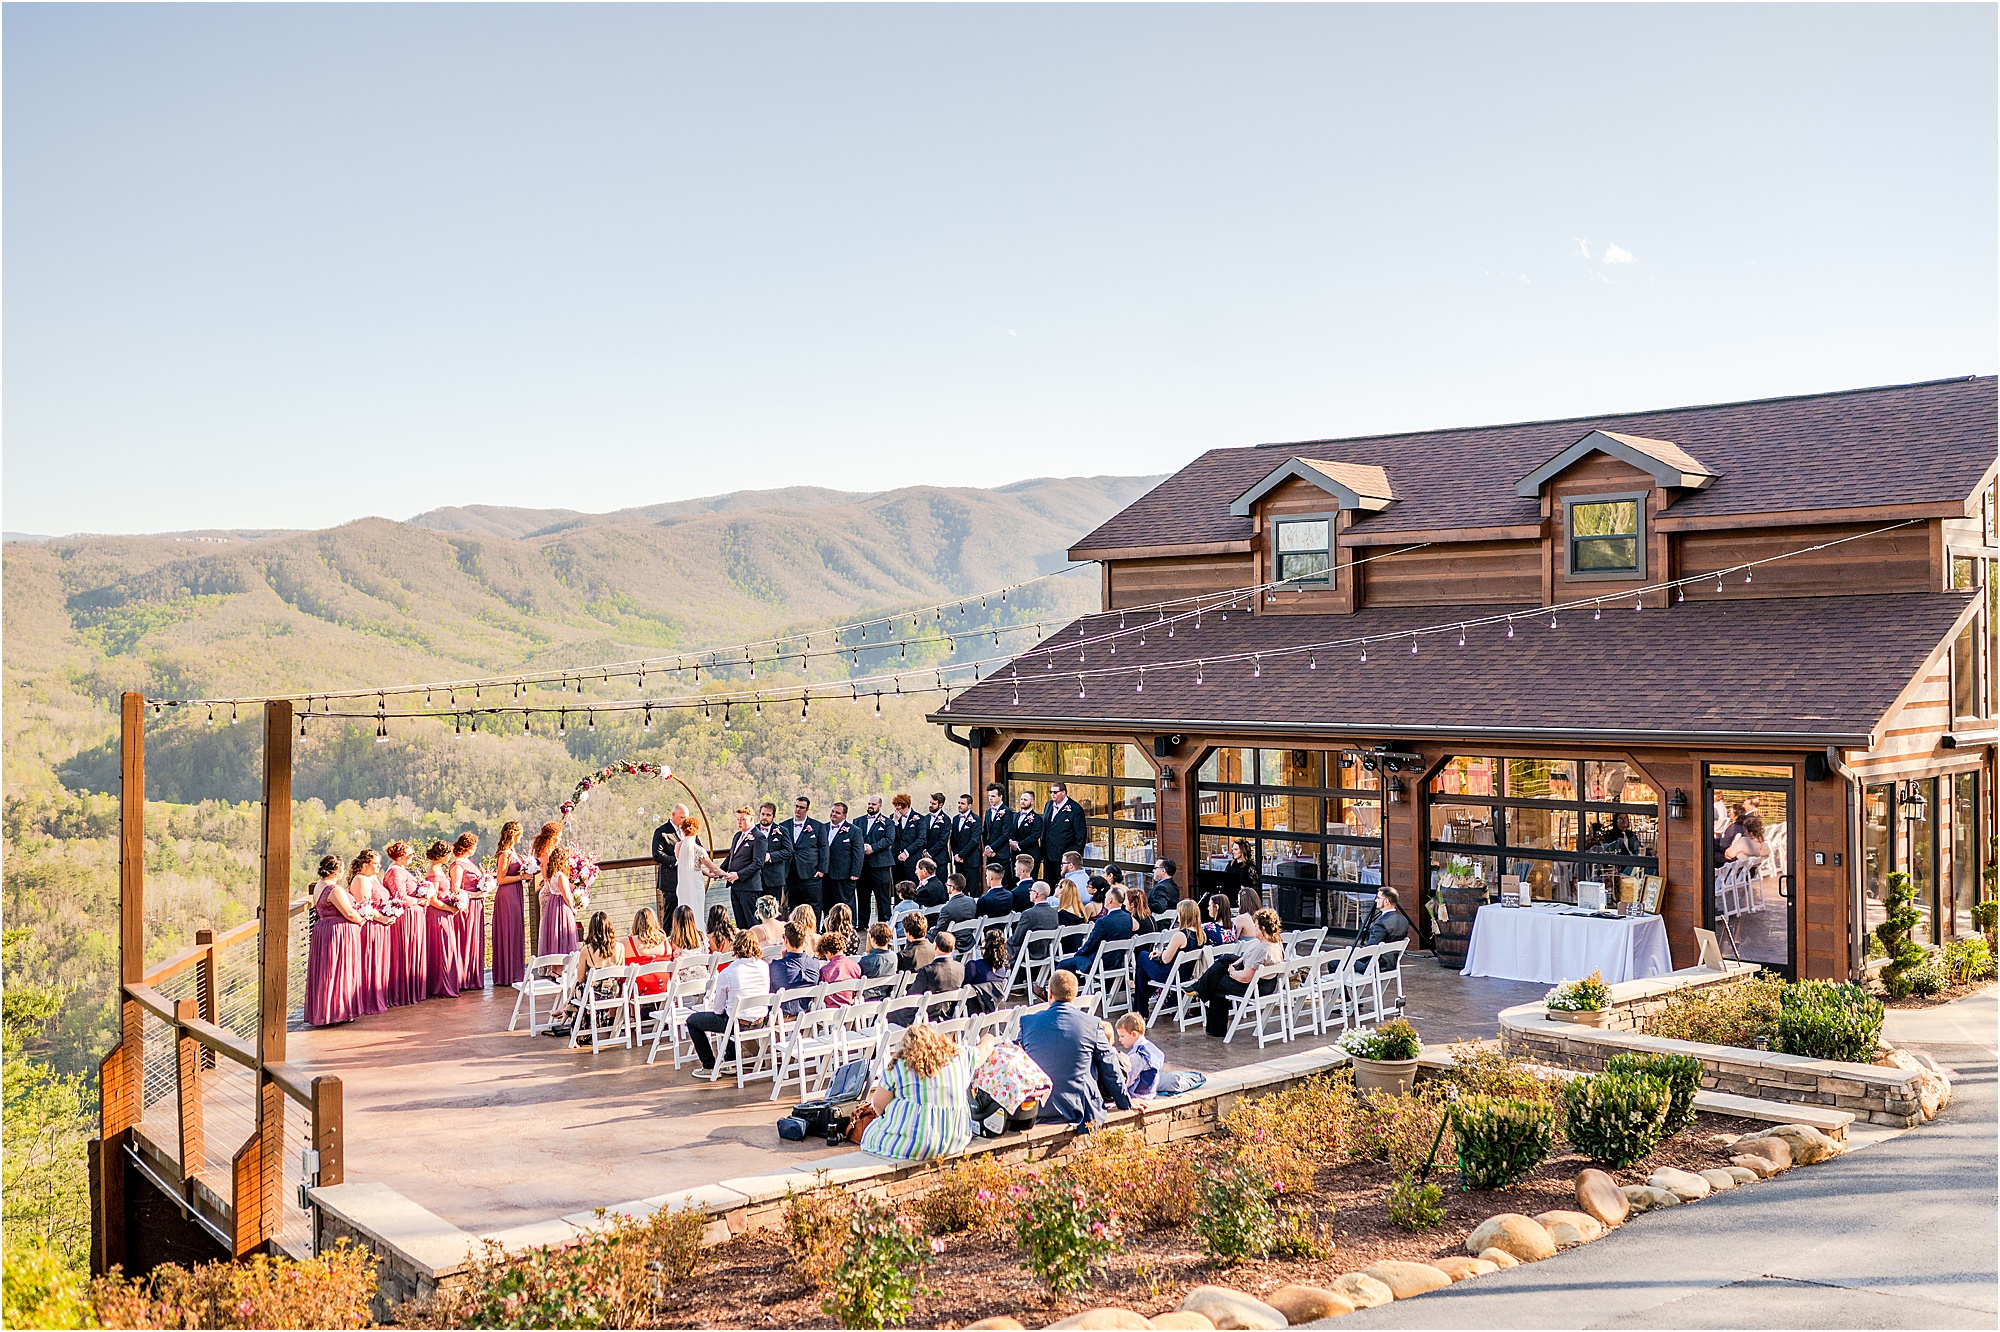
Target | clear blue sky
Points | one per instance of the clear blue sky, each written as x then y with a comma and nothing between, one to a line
291,265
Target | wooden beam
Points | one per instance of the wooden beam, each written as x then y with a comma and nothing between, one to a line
188,1053
246,1197
132,838
205,983
1165,549
1872,513
191,957
329,1136
274,940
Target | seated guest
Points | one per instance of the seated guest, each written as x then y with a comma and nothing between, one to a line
1024,880
880,959
1072,1050
1074,873
987,975
930,888
768,929
1154,967
941,975
1095,887
807,919
684,936
1248,904
718,916
746,979
906,902
958,908
1231,976
917,949
1114,875
1069,904
1164,892
1141,909
1040,916
794,969
722,943
840,924
1091,911
998,900
1390,926
1113,925
599,949
922,1106
835,965
1217,924
1143,1059
648,943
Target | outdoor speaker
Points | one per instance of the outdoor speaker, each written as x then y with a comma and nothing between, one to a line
977,736
1165,745
1816,768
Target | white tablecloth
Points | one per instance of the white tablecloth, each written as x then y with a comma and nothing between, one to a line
1543,944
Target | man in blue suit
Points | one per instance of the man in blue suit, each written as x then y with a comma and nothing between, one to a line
1113,925
1070,1046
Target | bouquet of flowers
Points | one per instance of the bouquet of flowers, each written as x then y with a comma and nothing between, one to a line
488,885
393,912
582,870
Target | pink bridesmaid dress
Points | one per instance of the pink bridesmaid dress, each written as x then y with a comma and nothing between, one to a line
446,966
559,932
333,966
465,875
510,925
375,945
409,950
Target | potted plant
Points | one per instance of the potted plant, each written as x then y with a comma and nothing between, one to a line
1580,1000
1384,1059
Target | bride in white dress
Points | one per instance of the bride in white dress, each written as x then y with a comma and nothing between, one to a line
693,869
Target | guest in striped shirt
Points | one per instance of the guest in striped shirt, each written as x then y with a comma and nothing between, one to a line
923,1102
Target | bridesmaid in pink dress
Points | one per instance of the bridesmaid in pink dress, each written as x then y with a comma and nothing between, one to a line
365,890
409,951
465,876
333,966
558,906
510,912
441,927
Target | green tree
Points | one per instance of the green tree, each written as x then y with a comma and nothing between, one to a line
44,1179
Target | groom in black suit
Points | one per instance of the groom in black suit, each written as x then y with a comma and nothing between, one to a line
743,868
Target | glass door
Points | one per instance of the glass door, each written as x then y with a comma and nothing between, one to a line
1749,809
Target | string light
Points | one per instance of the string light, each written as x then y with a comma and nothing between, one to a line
1461,635
1079,686
1142,681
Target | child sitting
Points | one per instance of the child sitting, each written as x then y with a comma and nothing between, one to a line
1143,1060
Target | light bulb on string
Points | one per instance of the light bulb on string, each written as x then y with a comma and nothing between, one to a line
457,725
562,723
475,723
1638,603
726,724
1079,686
579,684
525,728
759,709
1364,652
233,717
805,705
1510,626
211,717
1552,617
645,725
1413,645
1256,665
1017,694
1680,592
878,702
1197,672
1461,635
1142,681
302,725
1596,610
1312,660
1746,574
592,717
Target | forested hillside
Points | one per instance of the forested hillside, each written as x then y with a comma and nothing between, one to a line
449,594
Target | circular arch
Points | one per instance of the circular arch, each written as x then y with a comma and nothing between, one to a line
591,781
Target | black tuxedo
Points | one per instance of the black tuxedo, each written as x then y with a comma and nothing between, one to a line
1029,830
937,840
746,861
805,861
932,892
878,865
843,864
907,845
775,855
996,830
1064,829
964,846
666,875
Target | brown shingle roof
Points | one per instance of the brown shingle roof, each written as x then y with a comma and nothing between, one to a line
1808,670
1904,444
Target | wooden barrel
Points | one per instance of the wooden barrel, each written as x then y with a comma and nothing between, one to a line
1454,933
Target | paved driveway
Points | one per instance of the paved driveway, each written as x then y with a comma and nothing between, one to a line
1901,1234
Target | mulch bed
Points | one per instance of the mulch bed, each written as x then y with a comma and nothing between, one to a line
1949,994
745,1282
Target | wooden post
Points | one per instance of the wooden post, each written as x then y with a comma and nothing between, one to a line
246,1192
326,1130
122,1073
205,987
275,930
187,1088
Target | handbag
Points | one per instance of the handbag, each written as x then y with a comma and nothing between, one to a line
1011,1078
857,1124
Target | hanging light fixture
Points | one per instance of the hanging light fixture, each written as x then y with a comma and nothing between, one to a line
1461,635
645,725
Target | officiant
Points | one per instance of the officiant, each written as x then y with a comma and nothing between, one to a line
666,874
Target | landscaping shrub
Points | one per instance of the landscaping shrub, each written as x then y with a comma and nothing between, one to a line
1897,935
875,1281
1414,1204
40,1290
1234,1219
1401,1129
1298,1238
1478,1070
1968,960
970,1194
1290,1131
1616,1118
1829,1020
1062,1231
1681,1073
1145,1185
1588,995
1391,1040
1985,915
815,1230
330,1290
617,1277
1733,1014
1499,1141
1927,978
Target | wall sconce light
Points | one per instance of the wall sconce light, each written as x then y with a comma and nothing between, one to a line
1915,800
1396,790
1677,804
1166,778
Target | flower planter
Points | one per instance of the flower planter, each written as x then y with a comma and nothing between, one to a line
1593,1017
1395,1076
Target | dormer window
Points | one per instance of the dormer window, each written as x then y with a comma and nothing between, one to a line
1304,548
1605,536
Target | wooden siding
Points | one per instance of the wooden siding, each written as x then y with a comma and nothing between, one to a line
1131,583
1901,560
1600,474
1462,573
1291,499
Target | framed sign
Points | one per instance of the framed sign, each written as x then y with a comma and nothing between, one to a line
1711,952
1655,888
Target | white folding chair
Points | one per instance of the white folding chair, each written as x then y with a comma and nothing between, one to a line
687,993
752,1023
1178,989
1363,985
603,995
1388,967
639,1004
1304,943
1110,975
548,976
808,1050
1262,1006
1329,982
1032,962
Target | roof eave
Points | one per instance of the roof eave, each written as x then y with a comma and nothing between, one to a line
1599,441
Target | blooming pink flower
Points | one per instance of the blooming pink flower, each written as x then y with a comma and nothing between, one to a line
937,1245
984,1195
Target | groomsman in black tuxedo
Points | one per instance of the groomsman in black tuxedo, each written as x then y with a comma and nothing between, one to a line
805,856
907,834
843,858
1026,839
775,854
964,840
1065,828
743,867
937,831
996,833
878,860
